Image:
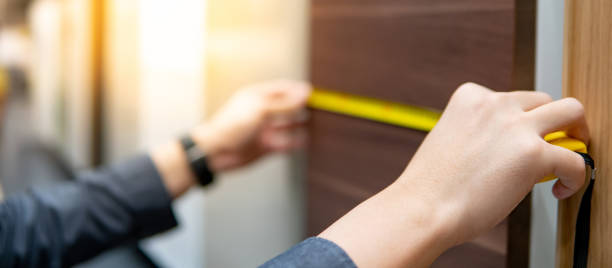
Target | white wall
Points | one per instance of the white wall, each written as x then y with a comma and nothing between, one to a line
549,64
170,102
255,213
187,65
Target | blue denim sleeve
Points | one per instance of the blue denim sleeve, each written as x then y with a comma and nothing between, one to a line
65,224
312,252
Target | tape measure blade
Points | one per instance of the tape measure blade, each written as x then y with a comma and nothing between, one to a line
373,109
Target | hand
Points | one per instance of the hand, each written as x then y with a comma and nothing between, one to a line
257,120
488,151
477,164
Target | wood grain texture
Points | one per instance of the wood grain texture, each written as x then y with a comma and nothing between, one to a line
416,52
354,159
588,77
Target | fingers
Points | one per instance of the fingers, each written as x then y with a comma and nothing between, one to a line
529,100
298,118
286,132
285,97
284,140
569,167
565,114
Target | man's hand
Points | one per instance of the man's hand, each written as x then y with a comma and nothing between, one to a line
257,120
477,164
488,151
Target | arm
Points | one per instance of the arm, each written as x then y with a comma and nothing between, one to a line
478,163
69,223
72,222
482,158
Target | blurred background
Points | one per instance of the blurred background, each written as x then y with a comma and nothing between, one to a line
89,82
85,83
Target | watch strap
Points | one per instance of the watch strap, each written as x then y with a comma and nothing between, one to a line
197,161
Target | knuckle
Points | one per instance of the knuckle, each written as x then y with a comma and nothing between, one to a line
473,95
467,85
468,88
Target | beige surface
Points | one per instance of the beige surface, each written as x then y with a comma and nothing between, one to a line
588,77
256,212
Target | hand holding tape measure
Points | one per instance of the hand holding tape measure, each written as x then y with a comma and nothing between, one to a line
407,116
423,119
484,155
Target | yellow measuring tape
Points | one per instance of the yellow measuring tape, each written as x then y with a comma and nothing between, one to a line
407,116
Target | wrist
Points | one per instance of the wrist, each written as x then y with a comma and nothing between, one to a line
445,209
436,216
429,223
173,167
205,138
398,227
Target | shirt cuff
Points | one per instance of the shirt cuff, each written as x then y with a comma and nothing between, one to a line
312,252
146,194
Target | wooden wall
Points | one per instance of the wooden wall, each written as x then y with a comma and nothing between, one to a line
587,76
415,52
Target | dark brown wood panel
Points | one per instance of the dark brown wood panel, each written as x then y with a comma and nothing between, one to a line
347,156
355,151
488,250
336,199
416,52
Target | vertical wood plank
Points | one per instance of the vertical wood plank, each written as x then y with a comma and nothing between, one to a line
587,76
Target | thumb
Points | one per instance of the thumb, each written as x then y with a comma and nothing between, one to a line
570,168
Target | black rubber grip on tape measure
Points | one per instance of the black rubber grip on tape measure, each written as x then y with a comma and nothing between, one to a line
583,221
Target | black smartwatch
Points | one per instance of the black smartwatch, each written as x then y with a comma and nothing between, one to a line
197,161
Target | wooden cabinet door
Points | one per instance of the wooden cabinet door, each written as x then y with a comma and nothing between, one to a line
416,52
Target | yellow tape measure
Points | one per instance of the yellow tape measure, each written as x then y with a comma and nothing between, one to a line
407,116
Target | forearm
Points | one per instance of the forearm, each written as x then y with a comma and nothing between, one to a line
398,227
68,223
